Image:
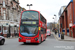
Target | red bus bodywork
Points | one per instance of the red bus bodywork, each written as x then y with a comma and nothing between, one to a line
33,39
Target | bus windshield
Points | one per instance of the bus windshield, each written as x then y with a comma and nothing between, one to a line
32,15
28,30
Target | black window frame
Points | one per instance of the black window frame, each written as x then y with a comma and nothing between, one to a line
42,19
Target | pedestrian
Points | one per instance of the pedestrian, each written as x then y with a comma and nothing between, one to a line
7,34
55,31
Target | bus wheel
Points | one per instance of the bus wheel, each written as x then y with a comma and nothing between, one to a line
44,39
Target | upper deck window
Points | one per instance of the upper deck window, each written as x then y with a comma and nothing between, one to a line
42,18
31,15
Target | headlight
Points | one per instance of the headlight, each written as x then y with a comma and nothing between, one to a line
20,37
36,39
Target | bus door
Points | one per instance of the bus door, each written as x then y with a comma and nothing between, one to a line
43,33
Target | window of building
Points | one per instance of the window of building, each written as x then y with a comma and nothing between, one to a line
70,6
0,11
13,0
70,17
3,3
16,0
12,3
4,14
17,6
12,29
5,30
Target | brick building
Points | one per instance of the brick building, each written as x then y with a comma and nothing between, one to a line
9,17
67,20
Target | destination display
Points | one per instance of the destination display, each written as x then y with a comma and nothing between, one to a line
29,22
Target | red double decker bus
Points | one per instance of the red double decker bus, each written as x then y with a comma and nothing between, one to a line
32,28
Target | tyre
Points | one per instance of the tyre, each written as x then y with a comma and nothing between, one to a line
2,42
24,42
40,41
49,35
46,35
45,39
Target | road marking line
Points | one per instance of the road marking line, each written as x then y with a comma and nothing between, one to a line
55,37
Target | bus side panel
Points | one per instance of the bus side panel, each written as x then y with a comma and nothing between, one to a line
43,36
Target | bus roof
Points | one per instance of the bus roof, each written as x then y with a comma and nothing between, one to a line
36,11
30,10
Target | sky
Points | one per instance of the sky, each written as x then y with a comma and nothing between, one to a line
47,7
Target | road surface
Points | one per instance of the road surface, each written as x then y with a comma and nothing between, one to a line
50,44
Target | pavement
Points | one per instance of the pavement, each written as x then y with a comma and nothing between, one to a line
66,38
11,37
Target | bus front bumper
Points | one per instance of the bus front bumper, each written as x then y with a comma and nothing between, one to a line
29,40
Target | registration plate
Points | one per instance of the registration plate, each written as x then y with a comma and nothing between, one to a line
28,41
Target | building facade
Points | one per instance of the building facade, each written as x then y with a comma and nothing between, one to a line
67,20
10,12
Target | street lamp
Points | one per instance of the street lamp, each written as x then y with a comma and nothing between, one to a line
54,22
29,5
54,15
54,19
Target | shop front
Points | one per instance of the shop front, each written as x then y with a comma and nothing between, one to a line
68,33
1,30
14,28
4,28
8,29
6,32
